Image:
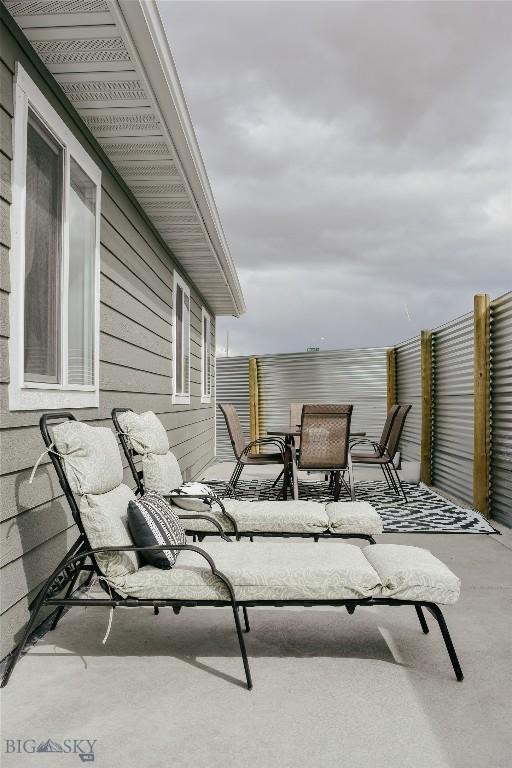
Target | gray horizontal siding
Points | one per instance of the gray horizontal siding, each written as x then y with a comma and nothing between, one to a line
135,371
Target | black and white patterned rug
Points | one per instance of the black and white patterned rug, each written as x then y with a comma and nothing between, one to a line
426,511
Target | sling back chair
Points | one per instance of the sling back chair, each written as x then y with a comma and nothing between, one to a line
245,453
238,576
324,445
385,451
144,435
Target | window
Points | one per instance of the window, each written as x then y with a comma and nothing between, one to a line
54,307
206,357
181,341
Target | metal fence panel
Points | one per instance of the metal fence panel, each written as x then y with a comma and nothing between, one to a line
408,382
501,409
453,417
232,387
355,376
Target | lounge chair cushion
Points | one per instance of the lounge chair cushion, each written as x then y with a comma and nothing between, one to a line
278,516
261,571
146,432
353,517
161,472
412,573
91,457
104,517
151,521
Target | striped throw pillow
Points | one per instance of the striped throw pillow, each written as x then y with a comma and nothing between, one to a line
151,521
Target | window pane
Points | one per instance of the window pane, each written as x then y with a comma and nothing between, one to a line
186,344
178,386
42,253
82,244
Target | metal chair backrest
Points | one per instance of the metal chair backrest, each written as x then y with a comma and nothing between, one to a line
236,433
388,424
128,449
325,434
396,430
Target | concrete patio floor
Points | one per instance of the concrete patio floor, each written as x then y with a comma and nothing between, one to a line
362,691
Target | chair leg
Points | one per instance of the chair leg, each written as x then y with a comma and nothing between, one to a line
421,617
60,609
394,486
438,615
246,619
351,478
386,478
400,483
336,486
278,478
156,610
235,478
242,647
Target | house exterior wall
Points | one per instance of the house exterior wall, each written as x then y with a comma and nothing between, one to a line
136,295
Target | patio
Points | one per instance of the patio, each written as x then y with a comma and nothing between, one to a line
404,707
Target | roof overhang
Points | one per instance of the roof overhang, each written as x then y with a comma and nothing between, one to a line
112,60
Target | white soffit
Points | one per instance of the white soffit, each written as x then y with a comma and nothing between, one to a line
112,60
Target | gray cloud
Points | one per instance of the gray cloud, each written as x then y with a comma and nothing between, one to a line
360,155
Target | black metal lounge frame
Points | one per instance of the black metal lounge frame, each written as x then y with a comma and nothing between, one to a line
139,482
81,551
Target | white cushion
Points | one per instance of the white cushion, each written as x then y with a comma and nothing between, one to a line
145,431
194,489
104,517
91,457
161,472
412,573
278,516
261,571
353,517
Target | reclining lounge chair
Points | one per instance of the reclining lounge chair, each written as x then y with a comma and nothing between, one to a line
144,435
88,463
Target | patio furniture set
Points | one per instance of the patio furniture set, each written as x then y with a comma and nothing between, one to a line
134,541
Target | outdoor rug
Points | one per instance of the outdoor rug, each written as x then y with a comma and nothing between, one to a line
426,512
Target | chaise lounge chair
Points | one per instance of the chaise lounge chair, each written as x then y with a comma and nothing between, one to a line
239,576
144,435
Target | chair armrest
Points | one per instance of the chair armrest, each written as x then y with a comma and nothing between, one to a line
211,497
280,444
212,520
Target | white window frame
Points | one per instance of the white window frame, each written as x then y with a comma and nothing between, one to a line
180,398
206,397
33,395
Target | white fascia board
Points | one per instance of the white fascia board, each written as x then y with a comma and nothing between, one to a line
140,25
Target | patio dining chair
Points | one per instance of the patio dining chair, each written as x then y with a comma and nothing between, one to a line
385,452
324,445
245,452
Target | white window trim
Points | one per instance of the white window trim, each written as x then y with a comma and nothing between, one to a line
32,395
180,398
206,397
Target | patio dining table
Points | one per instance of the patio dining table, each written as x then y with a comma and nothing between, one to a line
290,433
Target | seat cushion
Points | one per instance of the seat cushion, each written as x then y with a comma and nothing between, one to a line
91,457
353,517
145,430
278,516
151,521
412,573
260,571
104,517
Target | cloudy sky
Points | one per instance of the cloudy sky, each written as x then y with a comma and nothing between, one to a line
360,155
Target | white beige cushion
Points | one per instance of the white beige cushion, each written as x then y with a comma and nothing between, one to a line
186,493
353,517
278,516
260,571
145,431
412,573
104,517
161,473
91,457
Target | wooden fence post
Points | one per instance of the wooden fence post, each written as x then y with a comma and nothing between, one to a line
391,376
482,403
426,407
254,409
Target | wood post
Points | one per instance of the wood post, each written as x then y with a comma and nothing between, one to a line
426,407
254,409
391,377
482,403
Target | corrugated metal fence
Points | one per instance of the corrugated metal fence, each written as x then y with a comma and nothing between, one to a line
501,409
453,389
232,382
408,385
